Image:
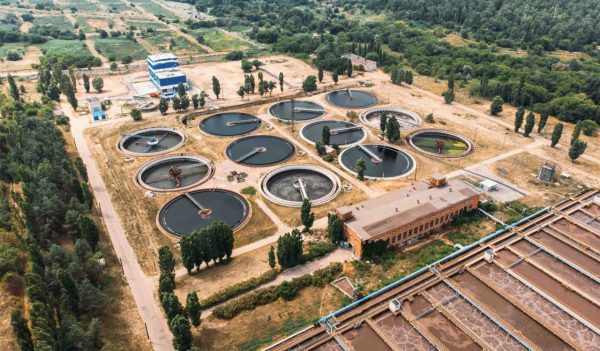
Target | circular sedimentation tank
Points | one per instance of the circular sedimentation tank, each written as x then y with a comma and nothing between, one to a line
351,98
406,118
342,133
230,124
173,173
151,141
381,161
440,143
260,150
197,209
299,110
290,185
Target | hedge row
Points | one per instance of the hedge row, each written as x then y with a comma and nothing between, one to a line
318,249
239,288
286,290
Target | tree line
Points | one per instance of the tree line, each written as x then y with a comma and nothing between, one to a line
64,287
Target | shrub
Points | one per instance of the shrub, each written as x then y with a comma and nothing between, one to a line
14,283
589,128
318,249
239,288
246,303
249,190
286,290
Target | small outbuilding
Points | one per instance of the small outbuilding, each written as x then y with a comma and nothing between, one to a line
488,185
96,110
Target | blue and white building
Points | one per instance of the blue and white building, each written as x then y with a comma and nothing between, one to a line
96,110
165,74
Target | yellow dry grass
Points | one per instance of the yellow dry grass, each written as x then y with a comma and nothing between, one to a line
267,324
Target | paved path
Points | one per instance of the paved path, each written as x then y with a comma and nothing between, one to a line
339,255
142,286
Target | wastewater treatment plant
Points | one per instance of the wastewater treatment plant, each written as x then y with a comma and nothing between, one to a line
341,133
351,99
197,209
291,185
381,161
230,124
296,110
440,143
260,150
172,173
151,141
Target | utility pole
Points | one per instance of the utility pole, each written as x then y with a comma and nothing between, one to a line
293,112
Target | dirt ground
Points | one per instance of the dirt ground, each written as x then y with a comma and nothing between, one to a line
31,56
211,280
522,170
267,324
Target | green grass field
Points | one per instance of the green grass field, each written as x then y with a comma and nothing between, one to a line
59,47
58,21
14,47
118,48
155,9
146,24
182,45
219,41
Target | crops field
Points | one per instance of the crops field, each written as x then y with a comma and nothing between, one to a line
219,41
119,48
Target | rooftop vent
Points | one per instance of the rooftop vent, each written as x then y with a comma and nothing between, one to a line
488,256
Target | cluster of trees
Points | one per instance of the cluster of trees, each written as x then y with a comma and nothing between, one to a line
264,86
180,318
53,82
290,249
64,287
537,81
390,127
399,76
213,243
550,24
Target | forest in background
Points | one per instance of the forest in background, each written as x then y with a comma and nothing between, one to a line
413,34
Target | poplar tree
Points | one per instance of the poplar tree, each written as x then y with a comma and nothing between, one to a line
306,216
320,74
529,123
14,91
163,105
326,135
360,168
272,262
86,83
542,122
556,134
193,308
383,122
281,81
519,118
216,86
577,149
21,331
182,335
576,131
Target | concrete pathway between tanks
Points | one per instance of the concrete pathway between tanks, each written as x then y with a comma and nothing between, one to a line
142,286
